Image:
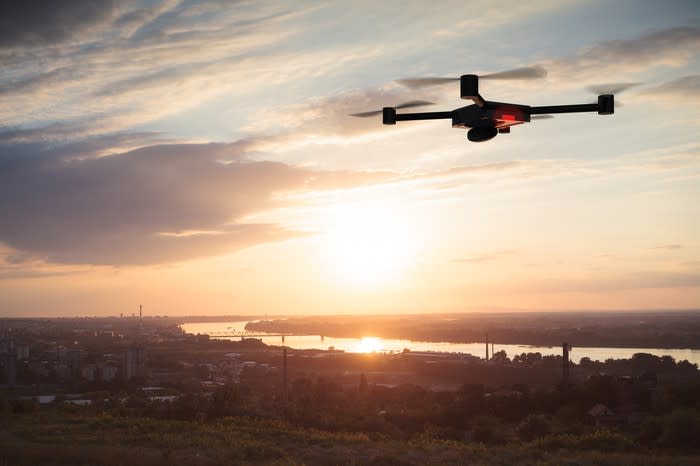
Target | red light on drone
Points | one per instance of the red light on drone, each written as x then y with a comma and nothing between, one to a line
508,117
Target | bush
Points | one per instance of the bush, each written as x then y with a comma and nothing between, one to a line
681,428
533,426
601,440
650,431
488,430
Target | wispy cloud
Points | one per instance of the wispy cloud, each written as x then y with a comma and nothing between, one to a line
623,281
683,89
671,47
487,257
668,247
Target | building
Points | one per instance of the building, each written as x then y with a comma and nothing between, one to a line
108,373
89,372
135,363
8,363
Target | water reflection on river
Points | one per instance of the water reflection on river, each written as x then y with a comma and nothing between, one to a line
371,344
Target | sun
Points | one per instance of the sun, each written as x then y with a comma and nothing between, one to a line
369,243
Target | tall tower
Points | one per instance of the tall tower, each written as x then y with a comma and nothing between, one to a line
565,361
487,346
140,312
284,378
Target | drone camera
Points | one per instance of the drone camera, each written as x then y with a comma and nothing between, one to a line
482,133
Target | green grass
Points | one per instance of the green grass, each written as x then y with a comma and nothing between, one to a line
52,438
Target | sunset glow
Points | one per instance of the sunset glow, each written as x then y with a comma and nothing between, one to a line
369,245
202,157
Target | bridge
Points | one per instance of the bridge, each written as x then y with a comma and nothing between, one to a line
244,335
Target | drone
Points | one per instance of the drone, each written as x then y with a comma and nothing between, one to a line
486,119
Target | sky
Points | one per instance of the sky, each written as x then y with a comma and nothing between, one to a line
198,157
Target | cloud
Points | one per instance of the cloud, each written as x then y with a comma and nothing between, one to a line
328,118
155,204
148,63
643,279
39,22
686,88
488,257
23,274
670,47
668,247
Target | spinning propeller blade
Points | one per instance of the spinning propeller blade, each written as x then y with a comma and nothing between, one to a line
610,88
414,83
412,103
528,72
541,117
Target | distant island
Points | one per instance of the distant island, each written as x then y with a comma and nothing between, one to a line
670,329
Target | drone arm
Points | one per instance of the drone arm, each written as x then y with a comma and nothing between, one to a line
605,106
563,109
390,117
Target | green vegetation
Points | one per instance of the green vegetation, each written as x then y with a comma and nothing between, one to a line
82,438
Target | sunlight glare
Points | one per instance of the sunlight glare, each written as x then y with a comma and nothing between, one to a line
368,345
369,244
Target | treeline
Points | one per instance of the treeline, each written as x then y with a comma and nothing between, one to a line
667,413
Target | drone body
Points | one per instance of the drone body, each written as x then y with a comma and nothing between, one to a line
485,119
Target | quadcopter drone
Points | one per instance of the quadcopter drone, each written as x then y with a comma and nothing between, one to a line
486,119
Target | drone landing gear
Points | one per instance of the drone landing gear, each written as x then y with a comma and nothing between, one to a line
481,134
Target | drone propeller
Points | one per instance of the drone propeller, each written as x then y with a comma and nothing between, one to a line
611,88
528,72
546,116
412,103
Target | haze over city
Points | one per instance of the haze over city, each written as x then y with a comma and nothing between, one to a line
198,158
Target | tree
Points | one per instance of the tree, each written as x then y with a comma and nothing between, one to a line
226,401
500,357
681,429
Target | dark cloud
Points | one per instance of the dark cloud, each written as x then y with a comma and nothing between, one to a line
151,205
39,22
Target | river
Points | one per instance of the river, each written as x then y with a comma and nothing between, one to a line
371,344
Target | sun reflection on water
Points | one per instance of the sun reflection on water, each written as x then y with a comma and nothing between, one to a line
368,345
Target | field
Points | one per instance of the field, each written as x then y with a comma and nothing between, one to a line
54,438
